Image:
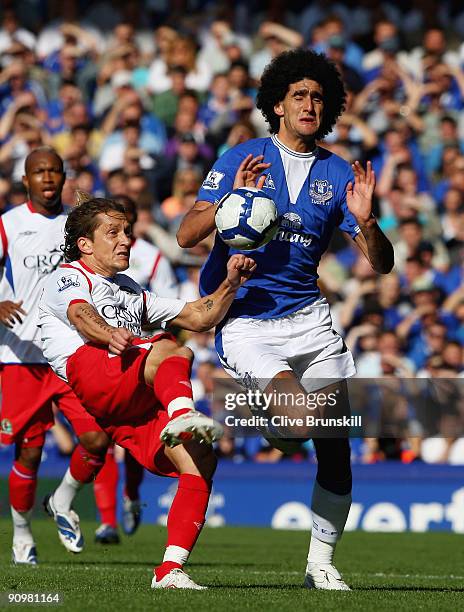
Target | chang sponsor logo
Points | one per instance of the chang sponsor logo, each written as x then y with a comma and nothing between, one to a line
290,230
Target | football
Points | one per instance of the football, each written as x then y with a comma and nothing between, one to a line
246,218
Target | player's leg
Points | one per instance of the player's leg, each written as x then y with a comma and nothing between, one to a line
167,369
25,417
318,357
330,506
331,499
22,484
105,490
86,461
196,464
131,516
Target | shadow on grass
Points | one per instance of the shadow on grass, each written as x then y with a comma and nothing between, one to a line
148,564
411,588
269,587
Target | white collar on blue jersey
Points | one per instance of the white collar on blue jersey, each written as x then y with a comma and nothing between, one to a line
280,145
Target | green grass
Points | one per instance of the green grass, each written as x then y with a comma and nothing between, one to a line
246,569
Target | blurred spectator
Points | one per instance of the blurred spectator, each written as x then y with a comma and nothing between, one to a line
14,81
217,114
166,103
387,45
411,236
330,27
69,67
336,49
277,38
189,156
221,45
185,185
181,51
11,32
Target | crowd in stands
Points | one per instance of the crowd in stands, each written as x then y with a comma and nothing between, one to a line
139,98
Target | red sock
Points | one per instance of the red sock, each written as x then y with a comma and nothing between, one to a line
172,385
185,521
134,477
105,490
22,484
85,466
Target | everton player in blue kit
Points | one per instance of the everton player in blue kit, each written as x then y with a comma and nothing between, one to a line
279,326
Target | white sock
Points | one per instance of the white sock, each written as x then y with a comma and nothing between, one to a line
66,492
176,554
320,552
180,403
330,512
22,527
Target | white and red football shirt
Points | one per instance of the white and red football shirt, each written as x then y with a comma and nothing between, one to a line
31,247
119,300
151,270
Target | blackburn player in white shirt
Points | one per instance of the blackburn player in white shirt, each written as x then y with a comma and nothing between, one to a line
151,270
137,388
31,248
301,95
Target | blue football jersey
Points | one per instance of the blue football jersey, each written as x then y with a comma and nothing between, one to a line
310,193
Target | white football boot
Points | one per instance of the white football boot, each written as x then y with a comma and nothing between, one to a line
176,579
24,553
324,576
69,531
191,425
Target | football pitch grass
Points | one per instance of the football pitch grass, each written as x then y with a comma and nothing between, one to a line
244,568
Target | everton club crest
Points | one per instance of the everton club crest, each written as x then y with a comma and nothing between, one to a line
321,191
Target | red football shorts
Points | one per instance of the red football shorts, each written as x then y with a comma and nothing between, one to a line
26,409
113,389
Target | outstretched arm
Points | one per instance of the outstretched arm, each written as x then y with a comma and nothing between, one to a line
205,313
371,241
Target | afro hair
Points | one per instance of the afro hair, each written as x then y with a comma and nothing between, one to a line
293,66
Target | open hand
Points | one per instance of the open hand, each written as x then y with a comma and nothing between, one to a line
239,269
359,195
249,171
10,313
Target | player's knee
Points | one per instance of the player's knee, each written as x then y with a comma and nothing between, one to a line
95,442
184,351
30,457
162,351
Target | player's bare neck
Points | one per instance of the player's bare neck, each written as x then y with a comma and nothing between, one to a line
295,143
97,267
47,212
